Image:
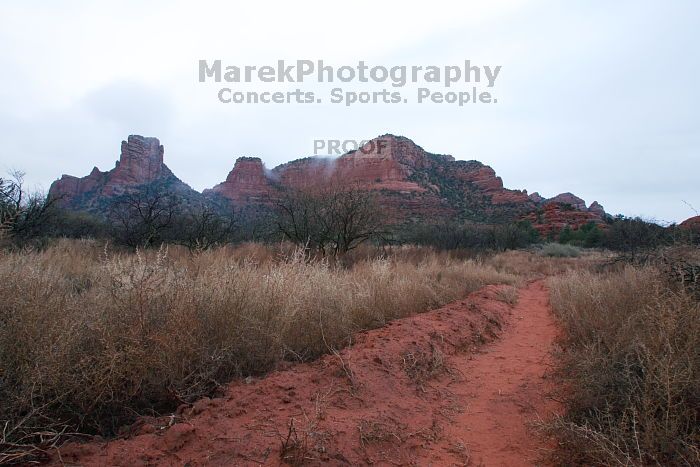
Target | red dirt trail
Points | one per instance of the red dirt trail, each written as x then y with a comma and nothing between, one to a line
455,386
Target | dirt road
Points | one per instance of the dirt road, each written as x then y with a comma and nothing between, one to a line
454,386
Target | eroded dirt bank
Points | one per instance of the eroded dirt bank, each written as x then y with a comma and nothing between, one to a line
454,386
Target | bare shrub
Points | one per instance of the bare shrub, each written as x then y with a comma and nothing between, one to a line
203,228
422,365
631,369
331,218
381,430
24,216
294,447
679,264
143,217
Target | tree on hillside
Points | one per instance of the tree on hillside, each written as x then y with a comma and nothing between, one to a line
10,197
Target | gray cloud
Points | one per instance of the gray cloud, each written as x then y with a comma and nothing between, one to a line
595,98
132,107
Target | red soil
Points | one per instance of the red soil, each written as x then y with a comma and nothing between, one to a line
454,386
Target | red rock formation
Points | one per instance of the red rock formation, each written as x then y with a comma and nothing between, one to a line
485,178
389,164
247,182
550,219
597,209
564,210
68,186
410,181
569,198
140,163
385,163
692,224
536,198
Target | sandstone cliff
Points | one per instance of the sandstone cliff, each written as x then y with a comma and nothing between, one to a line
140,164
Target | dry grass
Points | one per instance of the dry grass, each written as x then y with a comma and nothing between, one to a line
90,338
558,250
532,264
381,430
630,368
422,365
294,447
508,295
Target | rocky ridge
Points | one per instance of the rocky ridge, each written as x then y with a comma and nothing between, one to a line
413,184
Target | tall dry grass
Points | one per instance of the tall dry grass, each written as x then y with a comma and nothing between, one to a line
533,264
90,338
631,367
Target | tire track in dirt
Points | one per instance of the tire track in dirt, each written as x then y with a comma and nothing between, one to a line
454,386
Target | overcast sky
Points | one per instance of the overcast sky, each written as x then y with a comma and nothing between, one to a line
598,98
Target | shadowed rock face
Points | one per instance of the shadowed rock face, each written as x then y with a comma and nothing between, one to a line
413,184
